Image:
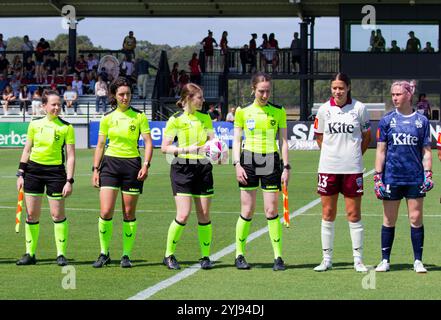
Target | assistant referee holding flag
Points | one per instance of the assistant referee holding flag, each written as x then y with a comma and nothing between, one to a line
42,165
119,167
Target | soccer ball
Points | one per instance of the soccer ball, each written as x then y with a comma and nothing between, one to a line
217,150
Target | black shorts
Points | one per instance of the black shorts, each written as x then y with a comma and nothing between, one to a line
121,173
263,168
191,178
39,176
406,191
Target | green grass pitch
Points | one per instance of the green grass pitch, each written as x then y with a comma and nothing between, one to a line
156,209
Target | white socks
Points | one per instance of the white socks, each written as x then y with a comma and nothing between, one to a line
327,239
357,231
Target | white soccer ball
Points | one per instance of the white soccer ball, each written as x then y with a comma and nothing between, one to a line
216,150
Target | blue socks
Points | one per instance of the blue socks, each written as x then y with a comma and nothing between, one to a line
417,236
387,239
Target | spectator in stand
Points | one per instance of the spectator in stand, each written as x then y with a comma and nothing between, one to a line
245,57
25,98
230,115
91,81
92,62
3,83
4,65
104,75
224,51
394,46
413,43
142,71
213,113
183,79
70,98
372,41
174,80
27,47
296,52
15,85
17,67
253,52
195,69
66,67
81,65
39,59
379,43
126,68
428,48
3,43
77,85
8,98
129,45
264,46
208,44
37,101
274,45
29,69
423,106
101,92
51,67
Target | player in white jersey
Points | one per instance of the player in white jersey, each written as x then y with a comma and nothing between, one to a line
342,130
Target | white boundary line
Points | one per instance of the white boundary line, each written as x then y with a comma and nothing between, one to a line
147,293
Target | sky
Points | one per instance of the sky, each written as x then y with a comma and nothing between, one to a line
109,32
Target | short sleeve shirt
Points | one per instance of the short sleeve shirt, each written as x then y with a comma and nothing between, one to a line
123,130
342,129
49,138
260,125
190,129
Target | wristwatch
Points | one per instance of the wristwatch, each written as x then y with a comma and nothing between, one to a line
71,180
287,166
235,162
95,168
147,164
20,173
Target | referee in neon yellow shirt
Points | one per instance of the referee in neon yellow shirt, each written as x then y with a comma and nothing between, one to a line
119,167
42,166
190,173
259,163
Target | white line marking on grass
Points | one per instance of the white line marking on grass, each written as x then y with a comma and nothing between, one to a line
147,293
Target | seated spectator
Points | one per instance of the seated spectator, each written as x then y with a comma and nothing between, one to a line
213,113
3,83
15,85
423,106
40,50
17,67
80,65
230,115
37,102
92,62
4,65
195,69
394,47
101,92
25,98
70,98
51,67
77,85
66,67
29,69
91,81
428,48
8,98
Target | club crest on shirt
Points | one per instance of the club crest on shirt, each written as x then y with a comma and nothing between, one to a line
132,127
359,182
418,123
251,124
353,114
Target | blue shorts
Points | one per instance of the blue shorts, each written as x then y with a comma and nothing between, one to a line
405,191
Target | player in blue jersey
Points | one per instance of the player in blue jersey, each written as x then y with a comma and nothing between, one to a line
403,167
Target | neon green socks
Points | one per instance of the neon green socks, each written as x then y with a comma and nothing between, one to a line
275,233
173,236
205,236
242,231
32,230
105,228
61,231
129,234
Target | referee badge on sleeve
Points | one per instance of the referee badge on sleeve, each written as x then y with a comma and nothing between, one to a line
251,124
